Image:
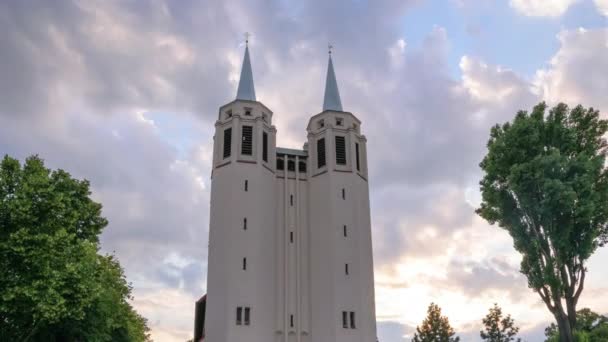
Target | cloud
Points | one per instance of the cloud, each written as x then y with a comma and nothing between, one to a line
602,6
576,72
542,8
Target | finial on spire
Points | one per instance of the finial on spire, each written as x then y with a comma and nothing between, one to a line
329,47
247,35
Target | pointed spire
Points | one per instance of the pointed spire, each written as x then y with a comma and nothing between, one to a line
332,95
246,90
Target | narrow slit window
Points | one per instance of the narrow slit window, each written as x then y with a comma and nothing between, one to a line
344,319
244,264
346,269
248,315
357,156
239,315
244,223
320,153
345,231
291,237
343,193
247,144
265,146
291,200
246,185
227,142
340,150
352,320
291,321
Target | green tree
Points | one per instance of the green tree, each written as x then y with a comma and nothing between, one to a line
435,328
498,328
546,183
589,325
54,284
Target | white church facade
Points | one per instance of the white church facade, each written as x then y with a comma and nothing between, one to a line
290,249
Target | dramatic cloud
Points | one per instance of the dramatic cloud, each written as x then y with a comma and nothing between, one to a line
126,94
542,8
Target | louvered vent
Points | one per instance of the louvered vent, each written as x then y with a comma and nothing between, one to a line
320,153
340,151
227,142
247,146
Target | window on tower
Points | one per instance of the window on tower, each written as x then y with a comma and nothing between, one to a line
321,153
291,321
244,264
227,142
352,320
244,223
340,150
246,185
265,146
302,166
345,231
346,269
247,111
239,315
247,144
248,315
357,156
344,319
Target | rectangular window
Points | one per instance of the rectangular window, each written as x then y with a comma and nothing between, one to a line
346,269
247,146
239,315
244,223
343,193
265,146
291,200
244,264
340,150
345,232
344,319
352,320
248,111
246,185
280,164
302,167
320,153
357,156
248,314
291,321
227,142
291,237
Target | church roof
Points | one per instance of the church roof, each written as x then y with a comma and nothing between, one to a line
332,95
246,90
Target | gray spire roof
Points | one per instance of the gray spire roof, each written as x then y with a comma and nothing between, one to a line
332,95
246,90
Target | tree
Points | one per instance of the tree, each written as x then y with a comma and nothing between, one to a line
435,328
498,328
54,284
546,183
590,325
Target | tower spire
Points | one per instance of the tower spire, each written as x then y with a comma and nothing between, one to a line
332,95
246,90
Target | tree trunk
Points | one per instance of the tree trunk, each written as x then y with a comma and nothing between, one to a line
571,313
563,324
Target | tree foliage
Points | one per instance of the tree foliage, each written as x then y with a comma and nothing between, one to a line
546,183
435,328
590,326
498,328
54,285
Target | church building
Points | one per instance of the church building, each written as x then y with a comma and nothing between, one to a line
290,248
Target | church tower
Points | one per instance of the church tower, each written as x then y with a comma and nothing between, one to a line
240,286
290,251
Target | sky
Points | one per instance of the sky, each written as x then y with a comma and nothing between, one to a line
126,93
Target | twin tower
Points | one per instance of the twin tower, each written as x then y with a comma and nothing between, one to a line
290,249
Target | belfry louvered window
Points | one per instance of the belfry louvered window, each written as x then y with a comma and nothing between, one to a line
340,150
227,142
247,144
320,153
265,146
